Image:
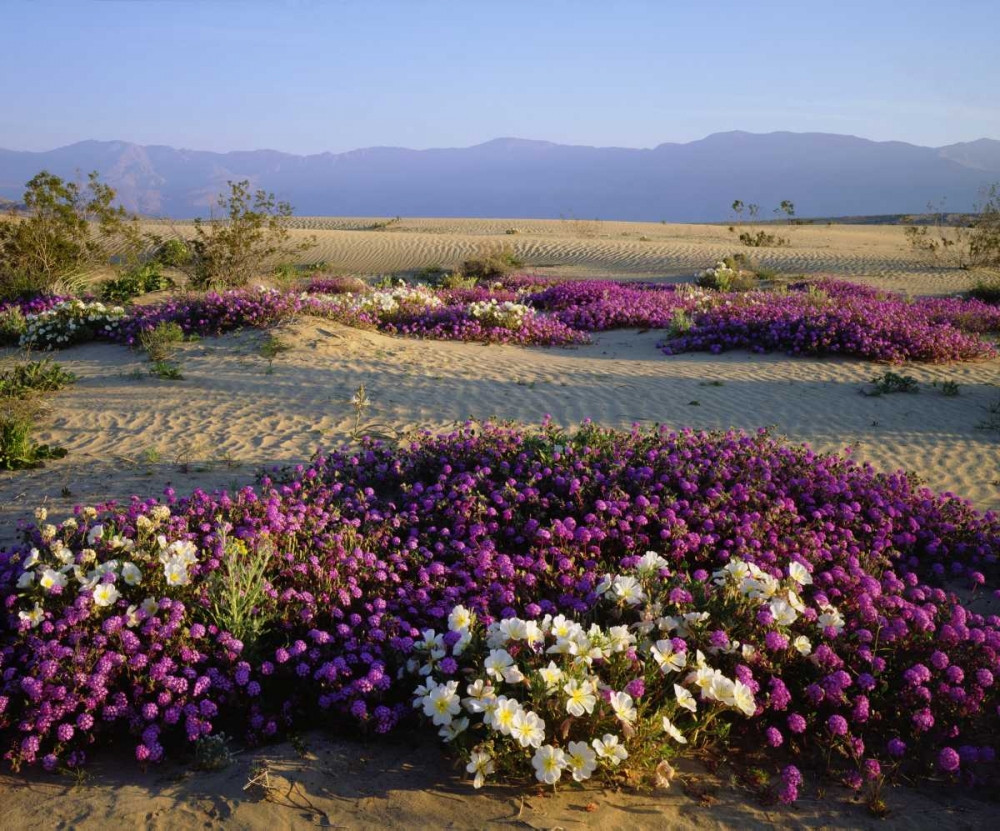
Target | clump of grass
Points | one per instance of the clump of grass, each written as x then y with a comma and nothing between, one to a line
491,265
238,594
133,282
271,348
161,342
457,281
680,322
166,370
31,377
949,388
986,289
891,382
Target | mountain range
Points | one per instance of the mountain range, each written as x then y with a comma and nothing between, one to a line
824,174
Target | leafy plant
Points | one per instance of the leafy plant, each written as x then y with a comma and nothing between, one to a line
24,379
231,250
18,449
238,592
161,342
133,282
949,388
271,348
491,265
891,382
12,326
986,289
166,370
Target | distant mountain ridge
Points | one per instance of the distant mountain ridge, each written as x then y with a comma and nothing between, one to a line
824,174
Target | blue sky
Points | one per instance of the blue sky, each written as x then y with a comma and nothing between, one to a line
307,76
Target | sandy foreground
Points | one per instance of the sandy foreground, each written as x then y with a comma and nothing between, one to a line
233,413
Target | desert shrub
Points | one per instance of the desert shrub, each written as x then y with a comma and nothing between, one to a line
133,282
26,379
166,370
161,342
12,325
731,273
893,382
70,322
66,232
986,289
761,239
491,265
457,280
753,237
171,253
18,448
231,250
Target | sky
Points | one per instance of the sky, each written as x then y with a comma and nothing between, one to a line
306,76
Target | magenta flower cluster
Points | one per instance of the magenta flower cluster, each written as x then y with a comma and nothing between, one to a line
375,545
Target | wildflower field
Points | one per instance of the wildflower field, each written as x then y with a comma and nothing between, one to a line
556,606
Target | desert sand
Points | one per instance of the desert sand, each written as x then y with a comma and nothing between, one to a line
233,413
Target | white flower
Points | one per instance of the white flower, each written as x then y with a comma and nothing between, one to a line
50,579
673,732
666,658
453,729
528,729
627,590
26,579
580,697
501,716
799,573
150,605
460,619
105,594
720,689
176,573
743,699
480,764
684,698
782,612
795,601
551,675
830,617
621,704
131,574
480,696
650,563
608,747
549,763
183,551
31,559
441,704
802,645
34,617
581,760
496,662
94,534
619,638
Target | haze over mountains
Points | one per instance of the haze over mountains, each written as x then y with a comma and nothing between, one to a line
824,174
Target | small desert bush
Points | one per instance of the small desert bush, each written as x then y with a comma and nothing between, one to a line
133,282
492,265
456,280
25,379
12,326
171,253
892,382
731,273
18,448
161,341
986,289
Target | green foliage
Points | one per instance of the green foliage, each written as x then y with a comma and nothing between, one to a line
761,239
271,348
166,370
161,342
18,450
986,289
171,253
66,232
891,382
238,600
949,388
755,238
457,281
231,250
680,323
491,265
133,282
12,326
25,379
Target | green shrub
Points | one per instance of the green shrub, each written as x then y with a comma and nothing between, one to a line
491,266
24,379
12,326
891,382
986,289
457,281
161,342
172,253
133,282
18,450
166,370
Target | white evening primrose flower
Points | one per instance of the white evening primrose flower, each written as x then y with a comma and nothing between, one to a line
94,534
481,765
627,590
650,563
624,709
802,645
460,619
496,662
501,717
684,698
580,697
480,695
562,628
619,638
176,573
453,729
748,651
105,594
549,763
50,578
743,699
184,551
795,601
782,612
527,729
34,617
131,574
720,689
551,675
31,559
666,658
513,675
441,704
608,747
581,760
150,605
26,579
830,617
602,585
799,573
672,731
